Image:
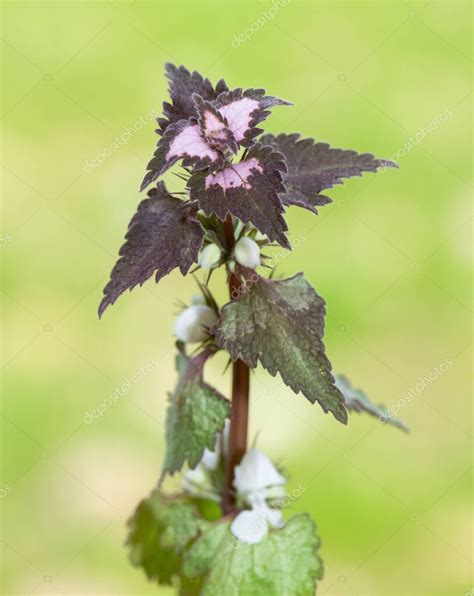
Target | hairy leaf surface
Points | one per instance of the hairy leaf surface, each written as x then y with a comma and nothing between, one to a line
247,190
159,531
313,167
281,324
284,563
196,413
357,401
163,234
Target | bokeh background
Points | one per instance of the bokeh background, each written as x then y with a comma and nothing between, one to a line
391,257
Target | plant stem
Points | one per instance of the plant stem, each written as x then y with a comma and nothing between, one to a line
240,398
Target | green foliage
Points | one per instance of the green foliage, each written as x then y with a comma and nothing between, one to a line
281,324
159,530
357,401
284,563
196,413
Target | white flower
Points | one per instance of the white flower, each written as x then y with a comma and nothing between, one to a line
250,526
247,252
209,256
195,481
210,459
256,472
192,324
198,299
257,480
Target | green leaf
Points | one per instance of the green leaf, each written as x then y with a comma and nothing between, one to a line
196,413
159,530
281,323
284,563
357,401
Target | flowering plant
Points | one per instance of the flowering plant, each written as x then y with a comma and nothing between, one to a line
224,533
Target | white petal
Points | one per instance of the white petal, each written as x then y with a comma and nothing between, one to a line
210,459
274,517
256,471
247,253
249,526
225,437
192,324
275,493
195,481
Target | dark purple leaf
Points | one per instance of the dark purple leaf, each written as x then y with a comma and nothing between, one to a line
181,88
248,190
181,140
243,110
313,167
163,234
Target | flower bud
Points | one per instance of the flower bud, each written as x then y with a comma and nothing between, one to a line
247,253
192,324
209,256
198,299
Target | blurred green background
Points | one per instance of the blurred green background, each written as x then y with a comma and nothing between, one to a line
391,256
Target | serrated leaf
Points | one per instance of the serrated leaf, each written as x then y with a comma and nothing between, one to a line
243,110
163,234
159,531
283,563
214,127
281,324
357,401
313,167
196,413
183,141
182,85
247,190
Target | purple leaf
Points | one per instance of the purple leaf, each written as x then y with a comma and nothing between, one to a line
214,127
248,190
163,234
243,110
181,88
181,140
313,167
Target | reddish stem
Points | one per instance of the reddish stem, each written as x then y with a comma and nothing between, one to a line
240,398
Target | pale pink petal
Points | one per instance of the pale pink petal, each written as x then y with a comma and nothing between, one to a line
237,114
190,142
235,175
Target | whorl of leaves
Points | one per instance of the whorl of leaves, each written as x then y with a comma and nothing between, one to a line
248,190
